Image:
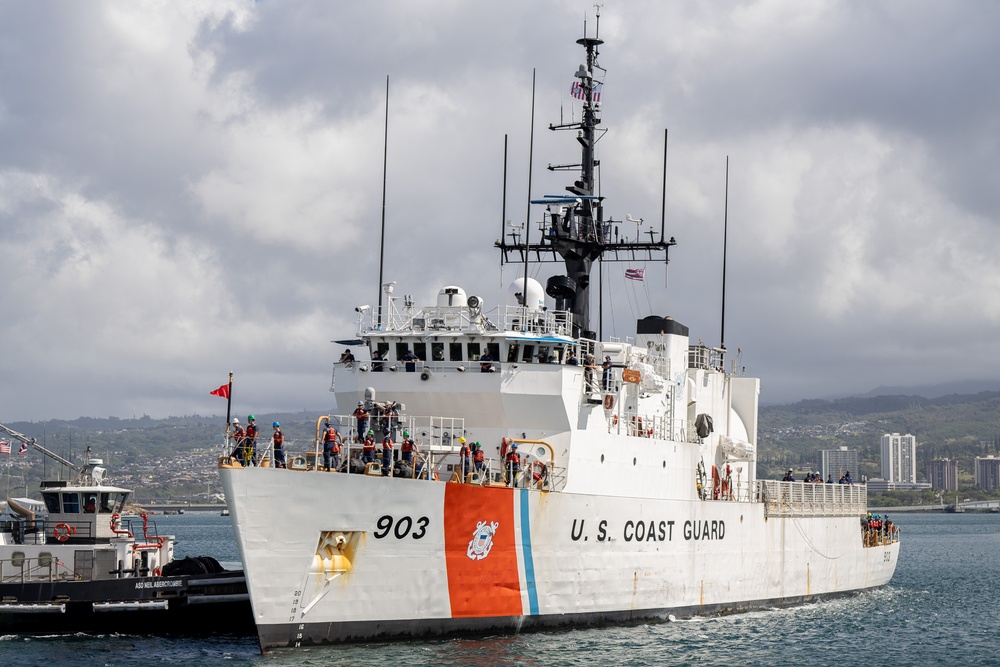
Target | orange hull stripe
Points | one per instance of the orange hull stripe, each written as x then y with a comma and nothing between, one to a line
481,552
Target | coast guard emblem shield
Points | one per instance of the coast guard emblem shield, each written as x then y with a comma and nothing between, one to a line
482,540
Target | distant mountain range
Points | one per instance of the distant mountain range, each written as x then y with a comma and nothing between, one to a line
962,388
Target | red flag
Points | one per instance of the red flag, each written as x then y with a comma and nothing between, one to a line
222,391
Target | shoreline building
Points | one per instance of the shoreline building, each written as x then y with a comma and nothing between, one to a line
943,474
899,459
988,473
836,462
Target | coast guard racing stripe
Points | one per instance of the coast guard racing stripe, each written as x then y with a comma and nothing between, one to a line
480,551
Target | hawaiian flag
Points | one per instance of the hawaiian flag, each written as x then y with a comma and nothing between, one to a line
577,91
4,447
24,448
635,274
222,391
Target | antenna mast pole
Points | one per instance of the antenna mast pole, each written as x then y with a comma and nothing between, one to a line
527,214
385,162
725,235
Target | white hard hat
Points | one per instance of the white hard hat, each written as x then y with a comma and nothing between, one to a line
236,420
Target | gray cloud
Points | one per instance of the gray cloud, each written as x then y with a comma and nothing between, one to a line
191,189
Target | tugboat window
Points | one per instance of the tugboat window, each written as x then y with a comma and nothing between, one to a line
437,351
528,352
51,502
106,503
401,350
71,503
473,351
90,504
455,351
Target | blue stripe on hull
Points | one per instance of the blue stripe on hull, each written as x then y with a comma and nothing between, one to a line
529,566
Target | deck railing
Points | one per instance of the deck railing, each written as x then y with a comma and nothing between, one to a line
812,499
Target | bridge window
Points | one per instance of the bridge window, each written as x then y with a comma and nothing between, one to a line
401,350
437,351
420,349
473,351
512,353
527,353
71,503
455,351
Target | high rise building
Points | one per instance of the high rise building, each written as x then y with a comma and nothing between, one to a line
988,473
943,474
836,462
899,458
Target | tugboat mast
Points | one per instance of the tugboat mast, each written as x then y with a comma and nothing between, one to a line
574,228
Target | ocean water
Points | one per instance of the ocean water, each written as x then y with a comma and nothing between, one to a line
939,609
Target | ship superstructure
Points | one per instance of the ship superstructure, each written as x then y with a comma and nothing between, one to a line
616,478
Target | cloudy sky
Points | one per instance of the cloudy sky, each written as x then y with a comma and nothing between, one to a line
193,188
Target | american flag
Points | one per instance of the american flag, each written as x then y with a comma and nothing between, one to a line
4,447
24,448
634,274
576,90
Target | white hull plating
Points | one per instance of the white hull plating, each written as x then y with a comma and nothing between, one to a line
553,558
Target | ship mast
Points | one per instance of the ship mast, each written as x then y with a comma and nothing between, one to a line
574,227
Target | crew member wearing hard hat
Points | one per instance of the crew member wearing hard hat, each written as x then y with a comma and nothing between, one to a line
237,434
513,465
362,416
278,442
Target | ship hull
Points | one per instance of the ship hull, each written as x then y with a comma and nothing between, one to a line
178,605
421,558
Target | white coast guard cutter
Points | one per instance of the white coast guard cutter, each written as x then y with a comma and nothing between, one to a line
635,495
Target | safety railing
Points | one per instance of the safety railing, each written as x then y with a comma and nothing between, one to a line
812,499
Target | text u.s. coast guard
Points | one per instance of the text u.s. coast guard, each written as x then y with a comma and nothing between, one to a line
650,530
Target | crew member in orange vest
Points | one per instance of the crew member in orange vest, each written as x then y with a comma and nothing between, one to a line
368,448
238,435
278,442
479,457
331,447
513,465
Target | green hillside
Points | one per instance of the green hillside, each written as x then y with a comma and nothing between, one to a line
174,458
959,427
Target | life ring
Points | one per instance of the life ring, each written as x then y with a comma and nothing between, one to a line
609,402
716,483
614,420
157,571
62,531
539,471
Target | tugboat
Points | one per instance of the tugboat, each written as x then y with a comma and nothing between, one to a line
580,480
78,565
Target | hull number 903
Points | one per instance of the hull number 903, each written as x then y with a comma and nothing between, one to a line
388,525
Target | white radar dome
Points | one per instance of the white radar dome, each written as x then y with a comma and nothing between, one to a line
451,296
535,294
